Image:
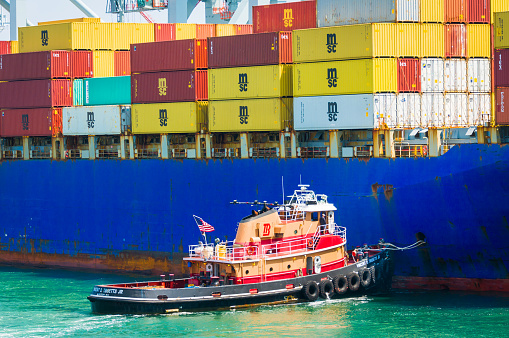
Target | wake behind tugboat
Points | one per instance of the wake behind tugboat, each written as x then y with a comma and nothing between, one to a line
290,253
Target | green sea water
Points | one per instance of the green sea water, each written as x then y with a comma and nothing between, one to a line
52,303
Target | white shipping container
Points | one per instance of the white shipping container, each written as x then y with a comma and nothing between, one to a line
432,110
385,110
350,12
96,120
455,110
455,75
479,75
479,109
432,75
409,110
333,112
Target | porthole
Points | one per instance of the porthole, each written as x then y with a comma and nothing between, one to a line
247,272
295,232
271,269
289,266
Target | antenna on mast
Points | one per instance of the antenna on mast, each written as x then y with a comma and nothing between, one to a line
283,187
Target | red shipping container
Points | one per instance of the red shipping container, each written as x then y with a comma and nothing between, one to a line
164,32
284,17
456,11
5,47
38,65
409,75
455,40
204,31
169,56
36,94
122,63
30,122
181,86
250,50
502,109
82,64
243,29
501,67
479,11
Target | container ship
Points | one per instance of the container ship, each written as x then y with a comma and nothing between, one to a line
108,131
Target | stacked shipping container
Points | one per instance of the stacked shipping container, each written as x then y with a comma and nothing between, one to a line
501,67
250,82
169,86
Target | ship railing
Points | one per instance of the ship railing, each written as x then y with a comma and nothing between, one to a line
313,152
363,151
256,152
405,149
147,153
40,154
229,251
73,153
12,154
290,214
107,153
226,152
179,153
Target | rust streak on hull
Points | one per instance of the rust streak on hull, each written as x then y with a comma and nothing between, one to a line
453,284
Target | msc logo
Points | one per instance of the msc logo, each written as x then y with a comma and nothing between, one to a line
332,111
332,77
331,43
288,17
24,121
163,117
266,229
162,86
243,82
90,119
243,115
44,38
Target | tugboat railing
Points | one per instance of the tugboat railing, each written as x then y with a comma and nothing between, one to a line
229,251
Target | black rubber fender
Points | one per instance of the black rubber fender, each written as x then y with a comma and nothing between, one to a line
311,291
365,276
340,284
354,281
326,288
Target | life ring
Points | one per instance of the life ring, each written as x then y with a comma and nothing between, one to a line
326,289
250,250
311,291
354,281
365,276
310,243
340,284
424,150
208,267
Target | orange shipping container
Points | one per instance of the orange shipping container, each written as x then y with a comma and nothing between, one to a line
204,31
455,36
244,29
5,47
122,63
456,11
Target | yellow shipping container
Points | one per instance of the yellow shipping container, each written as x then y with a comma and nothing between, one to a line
184,31
432,40
432,10
167,118
14,47
478,40
225,30
106,37
345,77
344,42
498,6
408,37
250,115
141,33
501,36
87,20
103,63
250,82
64,36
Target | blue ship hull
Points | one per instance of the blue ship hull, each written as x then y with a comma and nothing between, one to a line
137,215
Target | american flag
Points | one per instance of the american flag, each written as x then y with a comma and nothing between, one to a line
202,225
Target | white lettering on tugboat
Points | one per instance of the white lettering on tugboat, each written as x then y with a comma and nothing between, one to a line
107,292
361,264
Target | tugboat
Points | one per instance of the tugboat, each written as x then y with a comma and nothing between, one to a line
287,253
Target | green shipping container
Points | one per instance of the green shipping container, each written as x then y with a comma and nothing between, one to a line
115,90
77,92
